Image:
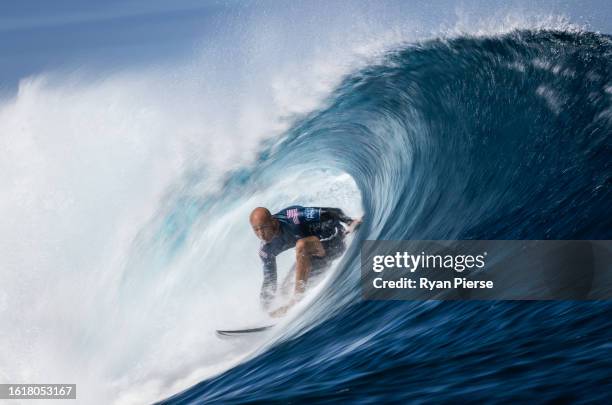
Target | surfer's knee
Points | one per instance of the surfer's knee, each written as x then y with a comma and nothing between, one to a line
310,246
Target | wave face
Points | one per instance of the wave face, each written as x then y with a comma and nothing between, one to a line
504,137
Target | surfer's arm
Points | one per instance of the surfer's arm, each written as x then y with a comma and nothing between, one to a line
334,214
268,287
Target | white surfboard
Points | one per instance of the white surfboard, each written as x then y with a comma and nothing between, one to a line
243,332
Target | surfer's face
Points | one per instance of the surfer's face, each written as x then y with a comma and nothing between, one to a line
265,230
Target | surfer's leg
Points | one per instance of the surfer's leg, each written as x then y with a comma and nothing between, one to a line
334,248
304,250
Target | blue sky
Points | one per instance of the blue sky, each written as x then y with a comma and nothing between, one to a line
40,35
37,36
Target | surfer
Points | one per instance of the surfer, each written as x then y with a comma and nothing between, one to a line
316,233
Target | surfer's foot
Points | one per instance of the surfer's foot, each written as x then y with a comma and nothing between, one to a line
352,227
277,313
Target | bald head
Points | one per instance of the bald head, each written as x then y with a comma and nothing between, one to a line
260,215
264,224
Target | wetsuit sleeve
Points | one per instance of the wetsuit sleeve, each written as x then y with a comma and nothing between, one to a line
268,287
334,214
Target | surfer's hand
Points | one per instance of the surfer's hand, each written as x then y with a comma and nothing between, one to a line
354,225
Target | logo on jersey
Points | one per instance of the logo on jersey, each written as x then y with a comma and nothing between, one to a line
310,213
293,215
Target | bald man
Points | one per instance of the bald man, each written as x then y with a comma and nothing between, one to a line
316,233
